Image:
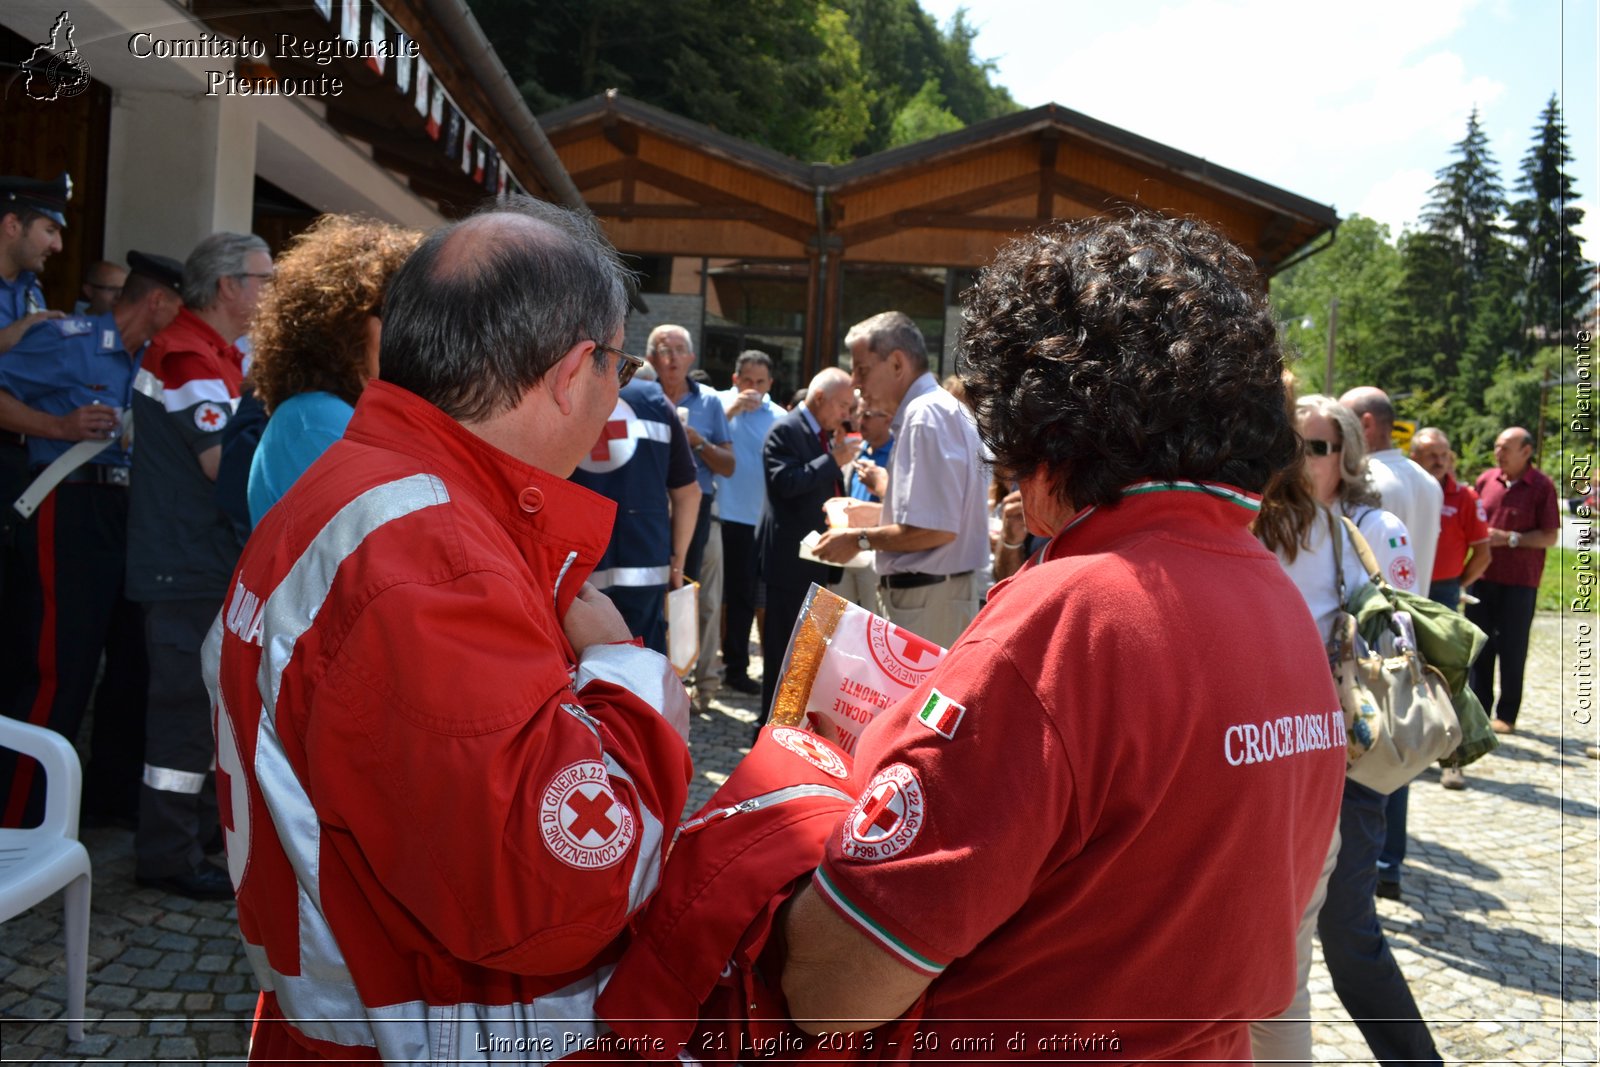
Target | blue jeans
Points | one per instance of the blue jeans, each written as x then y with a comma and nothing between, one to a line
1365,976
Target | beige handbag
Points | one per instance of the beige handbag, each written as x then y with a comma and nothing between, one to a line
1398,714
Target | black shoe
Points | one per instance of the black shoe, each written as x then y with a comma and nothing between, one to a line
205,883
742,683
1388,890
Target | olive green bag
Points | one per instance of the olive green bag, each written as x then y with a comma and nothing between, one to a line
1447,640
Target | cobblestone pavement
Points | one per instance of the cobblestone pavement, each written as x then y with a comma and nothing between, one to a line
1497,933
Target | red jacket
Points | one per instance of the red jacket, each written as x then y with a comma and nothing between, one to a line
439,820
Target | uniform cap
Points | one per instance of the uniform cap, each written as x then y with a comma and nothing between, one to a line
49,197
163,269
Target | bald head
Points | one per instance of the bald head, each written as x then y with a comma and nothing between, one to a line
831,398
1513,451
485,307
1371,405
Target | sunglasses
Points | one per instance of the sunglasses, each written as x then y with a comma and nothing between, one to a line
628,365
1318,447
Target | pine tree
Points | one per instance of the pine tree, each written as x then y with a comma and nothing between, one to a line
1554,274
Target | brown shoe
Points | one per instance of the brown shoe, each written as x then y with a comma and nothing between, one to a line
1500,726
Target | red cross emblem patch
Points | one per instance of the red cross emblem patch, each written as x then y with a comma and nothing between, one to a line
812,749
1403,573
210,417
887,818
901,654
581,820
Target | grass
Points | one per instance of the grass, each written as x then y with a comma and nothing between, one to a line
1562,567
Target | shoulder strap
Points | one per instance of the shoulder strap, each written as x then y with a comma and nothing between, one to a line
1364,551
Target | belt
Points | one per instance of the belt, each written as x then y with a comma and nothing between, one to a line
97,474
911,579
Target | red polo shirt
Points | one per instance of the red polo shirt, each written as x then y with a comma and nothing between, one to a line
1527,504
1462,522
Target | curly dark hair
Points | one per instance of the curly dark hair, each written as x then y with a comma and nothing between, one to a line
309,331
1108,351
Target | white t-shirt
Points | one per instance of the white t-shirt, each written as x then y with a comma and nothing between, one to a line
1312,573
1413,495
1391,543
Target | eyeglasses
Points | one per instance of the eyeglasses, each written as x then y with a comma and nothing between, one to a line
104,288
1318,447
628,365
264,276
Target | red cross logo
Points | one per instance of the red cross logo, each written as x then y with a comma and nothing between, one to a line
615,430
209,417
591,814
876,814
1402,573
914,647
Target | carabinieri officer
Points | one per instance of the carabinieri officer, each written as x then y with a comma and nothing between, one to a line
68,380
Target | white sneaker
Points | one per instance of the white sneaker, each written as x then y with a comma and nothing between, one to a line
1452,778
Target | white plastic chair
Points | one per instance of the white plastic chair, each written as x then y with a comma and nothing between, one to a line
38,863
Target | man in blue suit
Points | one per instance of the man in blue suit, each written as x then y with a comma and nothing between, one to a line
805,459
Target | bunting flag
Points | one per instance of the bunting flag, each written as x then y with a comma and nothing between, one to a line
350,23
402,63
477,163
436,112
424,96
453,129
491,175
378,34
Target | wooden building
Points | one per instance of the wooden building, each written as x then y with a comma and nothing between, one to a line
750,248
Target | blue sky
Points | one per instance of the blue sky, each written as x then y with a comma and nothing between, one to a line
1354,105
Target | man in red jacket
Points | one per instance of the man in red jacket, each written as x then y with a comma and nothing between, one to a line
445,772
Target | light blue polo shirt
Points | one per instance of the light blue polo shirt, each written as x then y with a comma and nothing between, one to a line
741,494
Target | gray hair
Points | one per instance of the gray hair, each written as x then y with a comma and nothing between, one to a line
825,379
661,331
888,331
217,257
1355,481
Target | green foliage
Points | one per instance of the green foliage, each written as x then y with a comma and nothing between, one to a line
924,116
1544,221
816,79
1362,270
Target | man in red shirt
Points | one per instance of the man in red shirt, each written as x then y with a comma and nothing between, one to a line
1524,520
1464,550
1096,825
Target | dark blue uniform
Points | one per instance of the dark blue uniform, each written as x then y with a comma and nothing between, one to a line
641,453
72,606
17,298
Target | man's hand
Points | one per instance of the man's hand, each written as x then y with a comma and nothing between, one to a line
874,477
748,400
845,450
1013,524
592,619
838,546
13,333
92,422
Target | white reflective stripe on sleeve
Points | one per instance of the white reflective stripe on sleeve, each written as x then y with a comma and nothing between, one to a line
647,862
647,675
293,606
168,780
416,1032
323,990
631,576
187,395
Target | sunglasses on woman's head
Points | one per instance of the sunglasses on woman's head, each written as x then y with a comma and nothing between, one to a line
1318,447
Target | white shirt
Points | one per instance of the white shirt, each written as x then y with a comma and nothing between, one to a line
1416,499
938,481
1312,573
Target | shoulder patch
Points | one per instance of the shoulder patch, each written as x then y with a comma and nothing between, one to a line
1403,573
887,818
72,326
941,714
812,749
209,417
581,821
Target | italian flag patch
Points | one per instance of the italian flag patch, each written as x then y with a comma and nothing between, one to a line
941,714
1397,542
